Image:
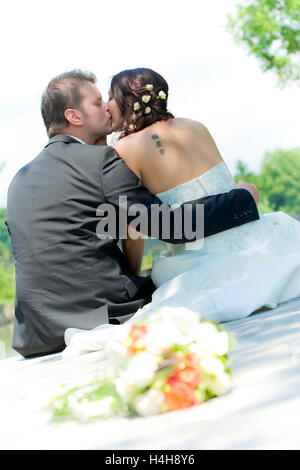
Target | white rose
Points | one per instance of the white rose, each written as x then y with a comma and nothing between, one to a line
149,87
124,389
185,320
146,98
162,95
161,336
149,403
169,326
222,343
220,384
211,340
198,350
141,370
147,110
136,106
212,365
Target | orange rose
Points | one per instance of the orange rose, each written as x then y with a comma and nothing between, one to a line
135,340
188,371
179,395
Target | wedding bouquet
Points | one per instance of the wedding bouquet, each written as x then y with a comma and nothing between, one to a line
168,360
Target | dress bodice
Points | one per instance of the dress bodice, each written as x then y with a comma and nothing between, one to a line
216,180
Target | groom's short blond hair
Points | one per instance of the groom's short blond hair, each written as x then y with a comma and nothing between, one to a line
63,92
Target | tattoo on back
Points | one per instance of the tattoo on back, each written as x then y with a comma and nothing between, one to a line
158,143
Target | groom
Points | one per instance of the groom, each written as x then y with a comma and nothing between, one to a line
66,274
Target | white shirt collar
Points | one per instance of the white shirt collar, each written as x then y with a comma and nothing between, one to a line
79,140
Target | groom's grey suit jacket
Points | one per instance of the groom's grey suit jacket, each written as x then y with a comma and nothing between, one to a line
65,275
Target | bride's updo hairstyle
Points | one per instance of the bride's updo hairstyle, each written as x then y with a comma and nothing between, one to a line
142,96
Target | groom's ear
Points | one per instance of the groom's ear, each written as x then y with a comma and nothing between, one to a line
73,116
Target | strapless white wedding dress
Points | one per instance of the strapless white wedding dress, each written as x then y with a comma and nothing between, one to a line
226,276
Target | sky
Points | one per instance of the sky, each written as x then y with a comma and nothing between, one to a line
211,78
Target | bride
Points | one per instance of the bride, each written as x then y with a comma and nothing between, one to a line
226,276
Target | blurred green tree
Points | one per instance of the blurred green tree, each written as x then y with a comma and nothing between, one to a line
278,181
270,30
5,245
7,283
7,279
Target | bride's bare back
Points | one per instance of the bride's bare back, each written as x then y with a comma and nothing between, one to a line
169,153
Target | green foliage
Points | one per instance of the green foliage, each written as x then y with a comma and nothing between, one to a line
153,248
270,30
280,176
278,181
62,408
147,261
7,281
250,177
5,245
246,175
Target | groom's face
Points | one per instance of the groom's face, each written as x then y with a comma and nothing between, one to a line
95,115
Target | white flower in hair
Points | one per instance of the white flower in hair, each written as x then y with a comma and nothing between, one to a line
146,98
149,87
161,95
131,127
136,106
147,110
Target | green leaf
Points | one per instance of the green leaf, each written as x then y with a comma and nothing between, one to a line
270,30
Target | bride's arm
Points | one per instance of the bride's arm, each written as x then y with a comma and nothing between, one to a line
133,249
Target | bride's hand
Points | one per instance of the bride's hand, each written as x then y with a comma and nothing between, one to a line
251,188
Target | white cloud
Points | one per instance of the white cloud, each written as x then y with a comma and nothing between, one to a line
211,79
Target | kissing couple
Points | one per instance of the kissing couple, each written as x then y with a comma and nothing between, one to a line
70,277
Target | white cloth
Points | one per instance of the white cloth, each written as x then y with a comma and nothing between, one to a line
229,275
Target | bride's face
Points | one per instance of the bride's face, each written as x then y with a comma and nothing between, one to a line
114,112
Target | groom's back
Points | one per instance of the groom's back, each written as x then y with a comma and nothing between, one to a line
65,274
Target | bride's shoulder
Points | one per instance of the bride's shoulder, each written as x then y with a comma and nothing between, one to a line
128,146
135,145
190,125
124,143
